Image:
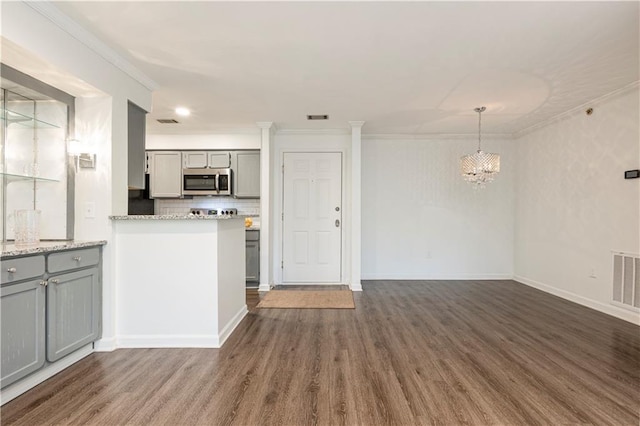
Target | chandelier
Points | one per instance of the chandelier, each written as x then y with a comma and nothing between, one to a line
480,167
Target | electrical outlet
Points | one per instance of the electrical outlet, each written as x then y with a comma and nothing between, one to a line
89,210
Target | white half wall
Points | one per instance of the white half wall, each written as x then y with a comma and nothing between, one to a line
421,220
574,206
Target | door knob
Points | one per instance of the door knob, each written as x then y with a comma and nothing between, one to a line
337,223
12,270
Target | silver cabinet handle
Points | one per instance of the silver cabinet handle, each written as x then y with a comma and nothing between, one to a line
77,258
43,283
54,280
11,270
337,223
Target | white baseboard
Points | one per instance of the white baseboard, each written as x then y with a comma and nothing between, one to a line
356,286
105,345
264,287
169,341
232,324
396,276
183,340
20,387
612,310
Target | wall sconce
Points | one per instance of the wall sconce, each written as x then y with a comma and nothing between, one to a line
81,152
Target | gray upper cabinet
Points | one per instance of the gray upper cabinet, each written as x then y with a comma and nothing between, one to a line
246,174
136,161
165,174
194,160
204,159
219,159
73,312
22,310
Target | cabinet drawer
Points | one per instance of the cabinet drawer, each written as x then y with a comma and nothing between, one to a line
22,268
73,259
252,235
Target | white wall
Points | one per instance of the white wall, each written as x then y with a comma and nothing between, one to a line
208,141
40,41
421,220
574,206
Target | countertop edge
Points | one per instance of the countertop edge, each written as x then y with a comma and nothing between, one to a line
11,250
175,217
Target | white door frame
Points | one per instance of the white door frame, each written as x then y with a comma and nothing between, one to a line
345,269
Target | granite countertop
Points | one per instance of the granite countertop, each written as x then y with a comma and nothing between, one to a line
174,217
10,249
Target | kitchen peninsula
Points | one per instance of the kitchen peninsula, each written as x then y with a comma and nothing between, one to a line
181,279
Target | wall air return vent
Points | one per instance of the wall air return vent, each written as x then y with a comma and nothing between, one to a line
167,121
626,280
317,117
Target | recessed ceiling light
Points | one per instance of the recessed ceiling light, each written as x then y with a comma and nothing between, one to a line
182,111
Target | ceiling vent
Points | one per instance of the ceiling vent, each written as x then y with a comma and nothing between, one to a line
167,121
317,117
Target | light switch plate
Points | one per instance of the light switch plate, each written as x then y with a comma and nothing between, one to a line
89,210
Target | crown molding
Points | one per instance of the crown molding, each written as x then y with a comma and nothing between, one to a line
599,100
433,136
85,37
264,124
354,124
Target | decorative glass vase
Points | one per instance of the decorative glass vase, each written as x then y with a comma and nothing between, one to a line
27,227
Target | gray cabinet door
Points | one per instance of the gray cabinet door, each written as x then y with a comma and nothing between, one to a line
23,342
194,160
136,140
253,261
73,312
219,159
246,174
165,174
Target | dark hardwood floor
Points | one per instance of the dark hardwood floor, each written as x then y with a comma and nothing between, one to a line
419,352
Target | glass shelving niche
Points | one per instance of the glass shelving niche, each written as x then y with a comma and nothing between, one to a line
33,171
24,120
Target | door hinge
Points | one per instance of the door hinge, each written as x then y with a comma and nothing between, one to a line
282,218
282,264
283,168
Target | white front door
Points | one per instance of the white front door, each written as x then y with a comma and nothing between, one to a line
312,217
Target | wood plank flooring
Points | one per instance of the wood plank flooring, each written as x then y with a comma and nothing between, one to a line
411,353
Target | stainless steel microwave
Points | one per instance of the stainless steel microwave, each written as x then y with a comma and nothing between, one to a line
206,182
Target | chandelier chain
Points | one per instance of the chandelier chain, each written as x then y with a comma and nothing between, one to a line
479,110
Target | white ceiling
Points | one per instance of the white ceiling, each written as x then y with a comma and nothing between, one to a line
410,67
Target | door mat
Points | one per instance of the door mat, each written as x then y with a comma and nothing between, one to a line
307,299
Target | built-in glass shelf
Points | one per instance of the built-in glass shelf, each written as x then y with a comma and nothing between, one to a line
23,120
18,178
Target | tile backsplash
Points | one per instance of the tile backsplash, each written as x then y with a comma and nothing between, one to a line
182,206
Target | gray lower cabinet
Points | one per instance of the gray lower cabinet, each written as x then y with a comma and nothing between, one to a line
22,308
47,313
73,312
252,257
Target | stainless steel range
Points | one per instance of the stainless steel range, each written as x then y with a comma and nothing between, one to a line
214,212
